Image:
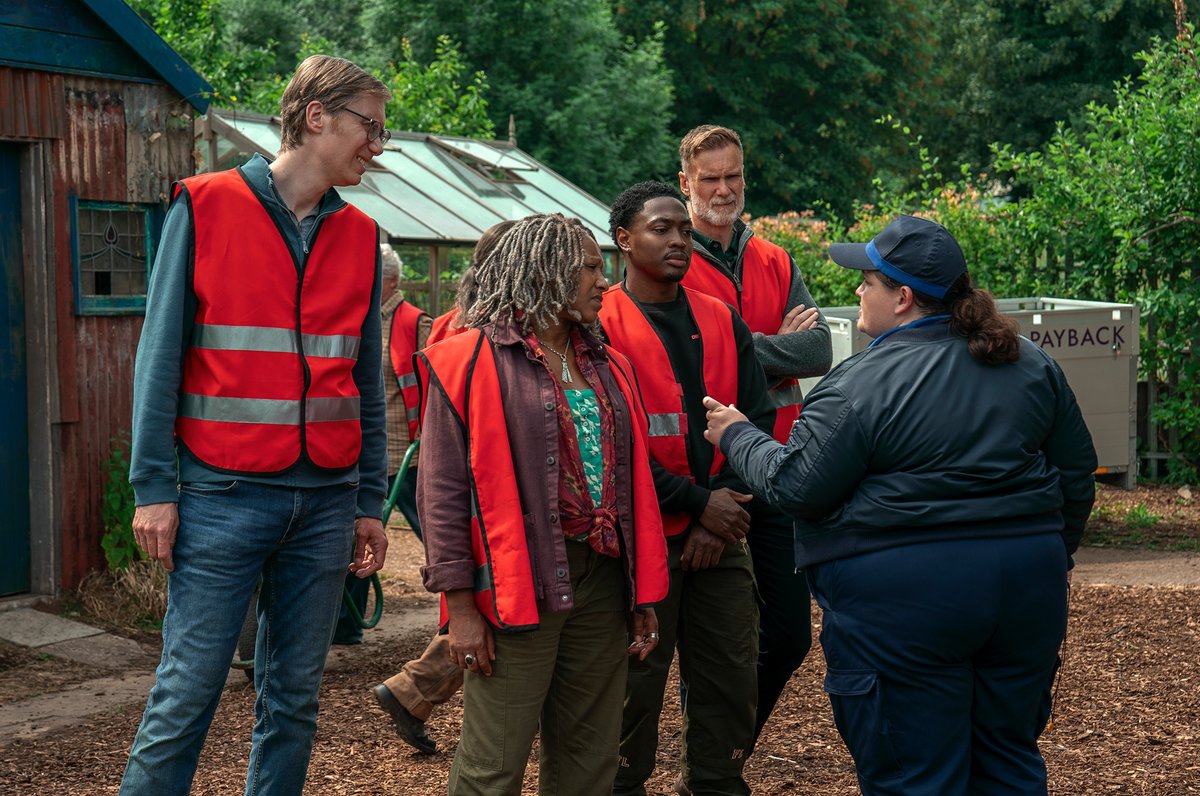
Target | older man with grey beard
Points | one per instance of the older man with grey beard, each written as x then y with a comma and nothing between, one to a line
791,341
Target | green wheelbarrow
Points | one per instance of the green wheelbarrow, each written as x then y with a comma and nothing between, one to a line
244,657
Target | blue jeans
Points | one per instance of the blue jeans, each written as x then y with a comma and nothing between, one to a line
300,542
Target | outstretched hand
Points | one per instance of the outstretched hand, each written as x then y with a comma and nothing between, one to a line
720,417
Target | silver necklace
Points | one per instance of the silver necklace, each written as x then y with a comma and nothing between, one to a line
566,372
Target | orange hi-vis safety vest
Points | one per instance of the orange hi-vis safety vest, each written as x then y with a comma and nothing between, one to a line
463,370
402,344
630,332
444,325
761,298
268,373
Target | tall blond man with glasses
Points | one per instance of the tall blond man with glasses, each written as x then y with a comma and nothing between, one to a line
259,449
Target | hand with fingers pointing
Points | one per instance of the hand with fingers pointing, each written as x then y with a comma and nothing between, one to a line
720,417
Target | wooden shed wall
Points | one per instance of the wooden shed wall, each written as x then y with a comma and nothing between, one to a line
119,142
126,142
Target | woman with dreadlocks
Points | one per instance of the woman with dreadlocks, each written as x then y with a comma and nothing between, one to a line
542,529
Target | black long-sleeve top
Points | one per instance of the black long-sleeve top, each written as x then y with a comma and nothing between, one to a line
680,335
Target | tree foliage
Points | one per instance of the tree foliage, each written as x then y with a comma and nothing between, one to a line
247,50
198,30
1120,194
1112,214
592,103
800,80
435,98
1010,70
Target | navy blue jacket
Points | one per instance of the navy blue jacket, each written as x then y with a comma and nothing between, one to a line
914,440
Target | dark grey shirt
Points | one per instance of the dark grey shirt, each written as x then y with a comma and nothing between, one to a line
796,355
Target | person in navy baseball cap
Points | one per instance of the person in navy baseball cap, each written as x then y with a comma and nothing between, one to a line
912,251
938,483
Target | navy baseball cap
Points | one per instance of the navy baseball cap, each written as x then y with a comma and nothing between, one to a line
913,251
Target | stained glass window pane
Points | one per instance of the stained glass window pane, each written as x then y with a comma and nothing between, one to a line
113,247
112,251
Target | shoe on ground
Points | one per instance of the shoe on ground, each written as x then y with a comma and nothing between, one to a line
681,788
410,729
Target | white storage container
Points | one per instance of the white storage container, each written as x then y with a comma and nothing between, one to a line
1095,343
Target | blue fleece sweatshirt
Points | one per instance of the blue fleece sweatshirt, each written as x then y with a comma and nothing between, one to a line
170,313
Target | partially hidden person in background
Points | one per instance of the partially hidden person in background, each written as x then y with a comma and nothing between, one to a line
939,482
447,324
410,695
791,341
542,531
685,345
405,329
259,366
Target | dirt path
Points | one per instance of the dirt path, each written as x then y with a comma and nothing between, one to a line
1113,567
1127,716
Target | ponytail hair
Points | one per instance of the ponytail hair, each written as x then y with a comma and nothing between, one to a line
992,337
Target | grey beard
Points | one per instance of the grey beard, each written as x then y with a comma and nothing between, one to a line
722,216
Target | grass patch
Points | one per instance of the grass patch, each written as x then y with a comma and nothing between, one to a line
1148,517
1102,533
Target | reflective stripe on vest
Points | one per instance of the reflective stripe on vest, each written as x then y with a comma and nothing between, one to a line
631,332
267,410
268,375
402,344
786,395
667,425
270,338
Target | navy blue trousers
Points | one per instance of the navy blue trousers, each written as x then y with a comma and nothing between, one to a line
940,662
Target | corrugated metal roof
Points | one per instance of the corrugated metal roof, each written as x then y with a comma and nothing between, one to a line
431,189
134,31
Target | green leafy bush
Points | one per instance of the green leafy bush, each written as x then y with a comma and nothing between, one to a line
116,511
1139,516
1108,211
1117,199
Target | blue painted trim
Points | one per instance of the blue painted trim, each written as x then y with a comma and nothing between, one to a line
904,278
175,71
52,51
111,305
73,212
928,320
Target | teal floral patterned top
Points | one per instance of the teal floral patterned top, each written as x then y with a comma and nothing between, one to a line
585,411
587,484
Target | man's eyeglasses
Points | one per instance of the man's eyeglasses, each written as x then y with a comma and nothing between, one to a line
375,131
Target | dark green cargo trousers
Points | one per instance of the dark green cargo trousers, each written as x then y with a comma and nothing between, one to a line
568,676
712,617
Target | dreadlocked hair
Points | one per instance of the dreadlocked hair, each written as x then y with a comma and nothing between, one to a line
531,274
992,337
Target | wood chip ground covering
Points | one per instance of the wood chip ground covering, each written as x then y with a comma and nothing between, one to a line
1127,721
